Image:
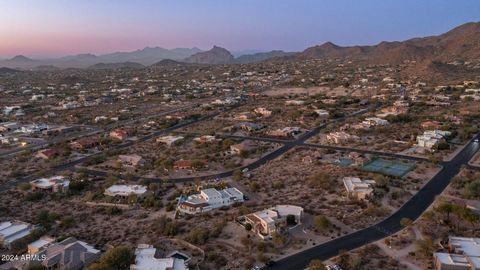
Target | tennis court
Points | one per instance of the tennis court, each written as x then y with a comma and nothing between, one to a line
344,162
389,167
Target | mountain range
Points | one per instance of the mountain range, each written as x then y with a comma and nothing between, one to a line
146,56
460,43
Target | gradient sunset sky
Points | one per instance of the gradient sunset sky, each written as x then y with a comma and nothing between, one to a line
47,28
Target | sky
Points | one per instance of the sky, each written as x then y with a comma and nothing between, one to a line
51,28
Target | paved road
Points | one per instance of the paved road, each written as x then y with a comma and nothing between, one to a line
68,165
252,166
411,209
91,130
365,151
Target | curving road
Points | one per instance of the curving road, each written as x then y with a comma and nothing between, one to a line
412,209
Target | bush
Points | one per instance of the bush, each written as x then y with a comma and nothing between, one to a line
77,186
165,226
248,227
442,146
472,190
24,186
34,196
321,223
113,211
316,264
198,236
118,258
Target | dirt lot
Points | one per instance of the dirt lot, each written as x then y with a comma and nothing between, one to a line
278,182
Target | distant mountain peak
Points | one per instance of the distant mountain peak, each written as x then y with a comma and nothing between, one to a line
216,55
21,58
329,44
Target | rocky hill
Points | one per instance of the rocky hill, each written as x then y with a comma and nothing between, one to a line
216,55
461,43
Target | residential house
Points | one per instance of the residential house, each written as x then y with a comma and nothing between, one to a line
430,138
463,254
286,132
100,118
39,245
119,134
248,126
9,126
244,116
266,222
340,137
210,199
190,164
7,110
8,140
207,139
70,254
294,102
263,112
358,159
357,188
322,113
10,231
126,190
169,140
246,145
55,183
146,259
375,121
85,143
131,161
49,153
33,128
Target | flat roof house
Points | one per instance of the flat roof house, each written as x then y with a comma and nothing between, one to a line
126,190
210,199
146,259
286,132
430,138
11,231
357,188
464,255
131,160
206,139
246,145
263,111
375,121
268,221
85,143
340,137
183,164
248,126
169,140
322,113
39,245
55,183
